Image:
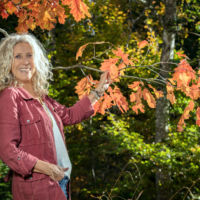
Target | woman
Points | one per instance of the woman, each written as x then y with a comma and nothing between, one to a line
31,123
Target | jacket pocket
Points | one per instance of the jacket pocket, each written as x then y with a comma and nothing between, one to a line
31,130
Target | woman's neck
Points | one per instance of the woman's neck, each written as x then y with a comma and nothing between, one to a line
30,90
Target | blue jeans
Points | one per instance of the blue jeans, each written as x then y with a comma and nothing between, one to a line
64,186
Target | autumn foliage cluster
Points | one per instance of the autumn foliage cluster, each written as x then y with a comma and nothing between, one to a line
45,13
184,79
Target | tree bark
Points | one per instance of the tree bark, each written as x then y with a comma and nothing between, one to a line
162,107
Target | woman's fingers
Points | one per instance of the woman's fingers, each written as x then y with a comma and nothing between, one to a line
57,172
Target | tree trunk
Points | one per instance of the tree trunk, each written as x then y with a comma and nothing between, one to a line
162,108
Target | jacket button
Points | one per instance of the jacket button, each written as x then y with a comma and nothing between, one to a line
18,158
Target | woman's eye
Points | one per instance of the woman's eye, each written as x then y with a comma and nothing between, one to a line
29,55
18,56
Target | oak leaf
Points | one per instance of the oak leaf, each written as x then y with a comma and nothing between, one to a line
123,56
185,115
78,9
193,92
83,87
4,14
110,65
10,7
183,75
82,48
158,94
121,68
103,104
118,98
170,93
135,85
198,116
138,107
149,98
142,44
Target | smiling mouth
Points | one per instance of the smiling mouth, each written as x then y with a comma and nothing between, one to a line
25,69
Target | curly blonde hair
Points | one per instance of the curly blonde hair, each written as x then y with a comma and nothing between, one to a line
41,62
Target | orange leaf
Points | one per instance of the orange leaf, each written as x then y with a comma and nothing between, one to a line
60,11
149,98
135,85
121,68
183,74
181,55
78,9
4,14
16,1
82,48
193,92
158,94
137,107
83,87
198,116
170,93
10,7
124,56
80,51
142,44
103,104
185,115
118,98
133,97
110,65
66,2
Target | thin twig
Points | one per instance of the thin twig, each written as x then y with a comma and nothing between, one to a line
194,33
146,79
140,195
77,66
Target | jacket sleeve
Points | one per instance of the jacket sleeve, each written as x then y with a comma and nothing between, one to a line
16,159
80,111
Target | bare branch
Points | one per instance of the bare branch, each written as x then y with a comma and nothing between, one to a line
77,66
124,76
194,33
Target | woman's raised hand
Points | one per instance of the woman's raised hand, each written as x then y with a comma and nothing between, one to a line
104,83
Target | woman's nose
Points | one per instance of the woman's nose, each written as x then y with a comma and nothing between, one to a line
25,61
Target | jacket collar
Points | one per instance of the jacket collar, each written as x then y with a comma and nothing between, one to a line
24,94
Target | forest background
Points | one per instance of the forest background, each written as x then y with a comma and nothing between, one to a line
136,153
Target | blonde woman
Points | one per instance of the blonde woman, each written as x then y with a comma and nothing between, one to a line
31,123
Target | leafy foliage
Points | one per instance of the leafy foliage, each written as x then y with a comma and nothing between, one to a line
42,13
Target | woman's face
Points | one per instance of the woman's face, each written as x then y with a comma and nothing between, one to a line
23,68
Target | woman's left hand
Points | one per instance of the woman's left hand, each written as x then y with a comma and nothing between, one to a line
104,83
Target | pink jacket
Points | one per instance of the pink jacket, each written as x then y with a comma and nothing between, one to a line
26,136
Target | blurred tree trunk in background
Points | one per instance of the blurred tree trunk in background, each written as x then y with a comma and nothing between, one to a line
162,108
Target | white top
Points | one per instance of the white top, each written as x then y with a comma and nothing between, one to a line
61,151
